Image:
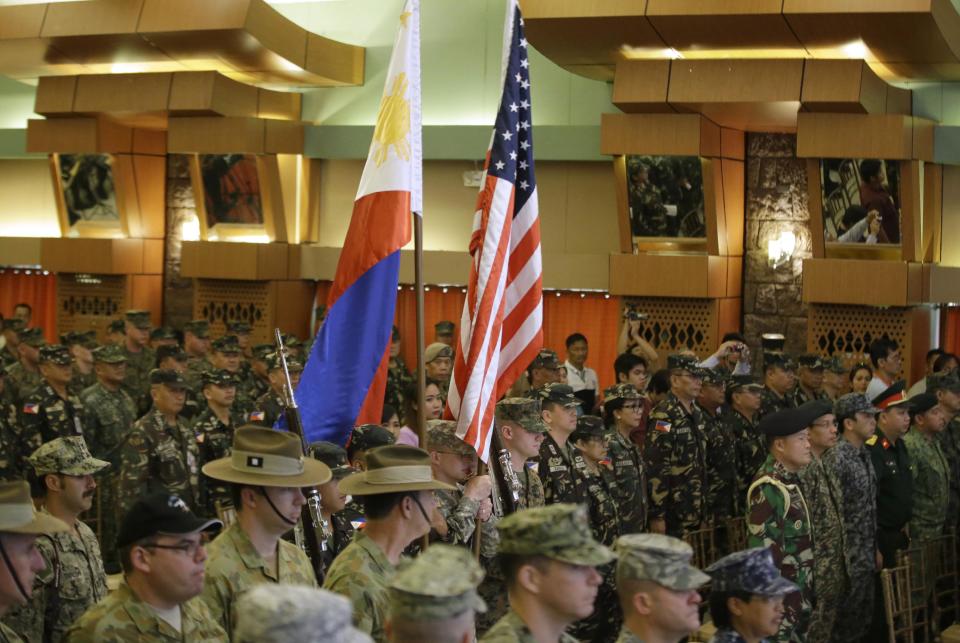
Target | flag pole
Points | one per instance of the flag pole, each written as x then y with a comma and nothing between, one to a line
421,348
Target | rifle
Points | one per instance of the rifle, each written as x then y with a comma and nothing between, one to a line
506,485
312,530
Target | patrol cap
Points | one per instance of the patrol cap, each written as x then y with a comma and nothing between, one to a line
555,393
174,352
834,365
268,458
810,361
161,513
588,427
738,382
110,354
163,332
442,438
943,382
439,584
662,559
523,411
139,318
779,360
751,571
261,351
274,362
546,358
11,323
199,327
922,403
893,395
218,377
772,342
86,339
278,613
444,327
228,345
55,354
168,377
116,326
435,351
332,455
69,456
370,436
19,516
621,391
560,531
239,328
713,376
847,406
32,336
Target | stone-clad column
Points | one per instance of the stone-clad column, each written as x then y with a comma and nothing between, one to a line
177,291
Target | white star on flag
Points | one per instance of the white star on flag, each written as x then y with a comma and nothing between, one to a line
500,165
524,185
507,136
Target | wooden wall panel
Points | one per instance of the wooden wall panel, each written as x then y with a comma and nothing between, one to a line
843,86
623,207
911,191
101,93
863,282
55,95
698,276
932,211
293,306
642,85
733,204
716,218
666,134
855,136
150,173
226,260
78,135
815,206
215,135
145,292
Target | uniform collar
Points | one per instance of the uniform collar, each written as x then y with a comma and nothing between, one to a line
364,542
248,553
146,620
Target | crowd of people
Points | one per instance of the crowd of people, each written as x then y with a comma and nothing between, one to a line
152,460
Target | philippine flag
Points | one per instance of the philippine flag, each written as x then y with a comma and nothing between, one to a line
344,380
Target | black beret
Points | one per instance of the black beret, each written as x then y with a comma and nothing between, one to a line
790,421
922,403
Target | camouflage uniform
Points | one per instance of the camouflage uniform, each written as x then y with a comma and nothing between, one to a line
10,463
931,487
234,566
20,380
558,470
214,439
778,518
531,488
121,616
512,629
629,488
362,574
398,379
723,497
675,456
267,409
44,415
771,402
750,451
524,413
139,363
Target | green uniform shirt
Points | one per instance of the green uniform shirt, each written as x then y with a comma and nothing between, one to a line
931,481
361,573
8,636
512,629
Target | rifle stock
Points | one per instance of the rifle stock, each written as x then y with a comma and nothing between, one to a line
506,485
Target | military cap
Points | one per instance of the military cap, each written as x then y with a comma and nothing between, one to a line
161,513
772,342
332,455
752,571
546,358
439,584
239,328
69,456
555,393
168,377
442,437
278,613
444,327
139,318
174,351
11,323
199,327
622,391
522,411
219,377
86,339
588,427
714,377
810,361
274,362
163,332
781,360
560,531
370,436
19,516
226,344
261,351
116,326
922,403
943,382
436,350
743,381
55,354
662,559
393,469
893,395
32,337
847,406
677,362
109,354
834,365
269,458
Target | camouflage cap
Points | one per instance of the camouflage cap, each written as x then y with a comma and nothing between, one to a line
32,336
292,341
546,358
274,362
679,361
436,351
560,531
781,360
110,354
11,323
55,354
163,332
168,377
116,326
522,411
198,327
69,456
743,381
621,391
438,584
810,361
239,328
847,406
714,377
261,351
278,613
444,327
332,455
588,427
174,351
228,345
87,338
834,365
752,571
943,382
218,377
139,318
442,438
662,559
370,436
556,394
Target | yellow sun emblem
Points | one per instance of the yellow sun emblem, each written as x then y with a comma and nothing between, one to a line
393,123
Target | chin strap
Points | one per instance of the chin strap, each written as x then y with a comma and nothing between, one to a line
263,490
13,573
422,512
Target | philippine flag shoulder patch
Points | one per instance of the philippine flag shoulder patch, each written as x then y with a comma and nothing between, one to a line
32,409
662,426
257,416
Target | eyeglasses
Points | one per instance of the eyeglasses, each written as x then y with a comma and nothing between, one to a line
189,548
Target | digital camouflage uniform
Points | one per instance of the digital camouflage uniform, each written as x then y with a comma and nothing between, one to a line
531,488
234,566
10,462
629,488
524,413
559,472
949,440
44,415
123,618
778,518
512,629
931,486
362,574
20,379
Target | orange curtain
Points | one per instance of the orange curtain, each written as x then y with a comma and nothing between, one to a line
950,330
34,287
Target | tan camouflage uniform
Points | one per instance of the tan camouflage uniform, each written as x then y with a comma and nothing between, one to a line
362,573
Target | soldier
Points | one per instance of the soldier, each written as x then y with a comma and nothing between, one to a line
364,438
824,498
738,420
226,355
721,452
434,597
675,454
24,375
891,462
173,358
778,380
163,336
140,357
258,380
560,464
340,521
929,468
623,412
214,430
746,597
10,463
73,578
196,343
850,461
399,378
108,416
438,365
778,518
162,553
265,473
81,346
443,332
116,334
10,328
284,613
549,559
658,588
947,389
269,407
50,411
835,382
522,431
398,502
160,452
241,330
809,379
20,527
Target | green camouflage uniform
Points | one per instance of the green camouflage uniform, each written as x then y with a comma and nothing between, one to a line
824,496
559,473
8,636
10,463
949,440
931,486
531,488
82,381
21,382
155,457
196,367
44,416
267,409
234,566
398,379
362,574
524,413
136,382
675,456
771,402
778,518
723,495
751,451
123,618
512,629
214,440
629,484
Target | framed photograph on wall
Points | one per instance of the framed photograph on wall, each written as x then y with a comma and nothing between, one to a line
88,196
237,196
861,201
665,197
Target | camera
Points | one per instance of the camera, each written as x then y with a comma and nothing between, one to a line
632,314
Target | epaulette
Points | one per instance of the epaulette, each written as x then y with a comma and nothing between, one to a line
871,440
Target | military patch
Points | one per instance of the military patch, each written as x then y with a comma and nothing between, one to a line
885,444
254,461
32,409
257,416
663,427
871,440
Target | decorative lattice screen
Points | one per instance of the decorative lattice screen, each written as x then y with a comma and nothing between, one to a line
89,302
220,301
675,324
847,331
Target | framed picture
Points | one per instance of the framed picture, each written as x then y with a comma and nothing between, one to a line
87,194
237,196
665,197
861,201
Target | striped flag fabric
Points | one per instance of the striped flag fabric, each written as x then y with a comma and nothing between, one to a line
344,379
501,328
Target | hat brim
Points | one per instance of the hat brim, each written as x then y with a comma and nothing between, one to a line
589,553
87,467
356,485
779,586
197,525
691,578
41,524
314,473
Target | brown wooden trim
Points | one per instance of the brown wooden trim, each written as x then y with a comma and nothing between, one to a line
815,206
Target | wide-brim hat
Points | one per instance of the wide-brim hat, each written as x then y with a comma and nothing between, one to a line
267,458
393,469
19,515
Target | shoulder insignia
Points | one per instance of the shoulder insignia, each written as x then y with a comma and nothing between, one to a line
32,408
871,440
663,427
885,444
257,416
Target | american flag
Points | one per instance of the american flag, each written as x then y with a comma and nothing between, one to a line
501,328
